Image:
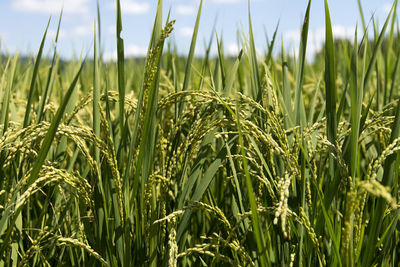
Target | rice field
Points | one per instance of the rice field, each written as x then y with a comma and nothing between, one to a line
267,159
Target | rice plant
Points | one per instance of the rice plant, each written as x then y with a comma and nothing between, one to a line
256,160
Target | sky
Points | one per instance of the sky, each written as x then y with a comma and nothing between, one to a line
23,22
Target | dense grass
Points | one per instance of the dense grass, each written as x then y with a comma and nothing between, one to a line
259,161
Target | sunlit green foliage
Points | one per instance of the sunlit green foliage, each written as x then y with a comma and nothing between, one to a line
184,161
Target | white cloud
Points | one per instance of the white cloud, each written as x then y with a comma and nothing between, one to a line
386,7
292,36
107,56
82,31
130,51
74,33
135,51
185,10
52,34
9,49
186,31
316,37
111,30
3,36
343,32
232,49
132,7
51,6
